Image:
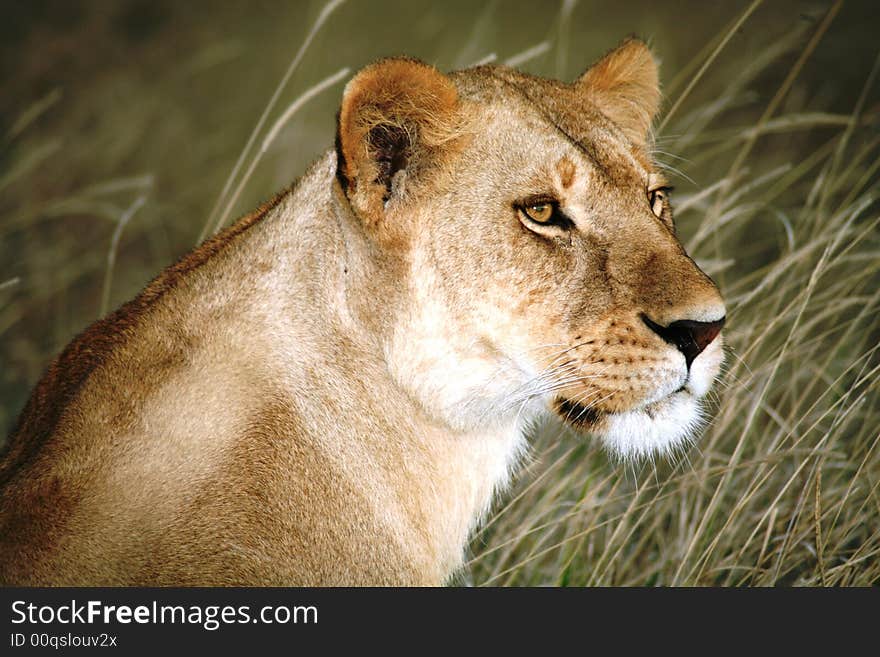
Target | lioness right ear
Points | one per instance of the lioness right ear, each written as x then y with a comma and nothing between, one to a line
625,85
395,119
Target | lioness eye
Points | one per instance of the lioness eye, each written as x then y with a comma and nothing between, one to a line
539,212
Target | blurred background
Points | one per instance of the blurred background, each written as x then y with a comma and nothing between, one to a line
121,124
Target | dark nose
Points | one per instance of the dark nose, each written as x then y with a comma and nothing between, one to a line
688,336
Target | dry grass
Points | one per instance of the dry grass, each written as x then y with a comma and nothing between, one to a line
783,486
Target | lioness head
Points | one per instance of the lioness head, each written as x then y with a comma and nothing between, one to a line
531,237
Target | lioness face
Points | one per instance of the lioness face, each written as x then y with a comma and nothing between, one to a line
562,260
546,274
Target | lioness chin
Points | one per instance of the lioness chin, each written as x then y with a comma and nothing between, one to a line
333,390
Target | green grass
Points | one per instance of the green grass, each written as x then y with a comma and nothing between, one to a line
114,166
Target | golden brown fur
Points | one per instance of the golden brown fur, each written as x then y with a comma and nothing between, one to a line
332,390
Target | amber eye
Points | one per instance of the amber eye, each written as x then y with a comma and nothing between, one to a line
540,213
657,199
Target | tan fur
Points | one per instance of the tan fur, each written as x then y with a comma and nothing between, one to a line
332,391
625,86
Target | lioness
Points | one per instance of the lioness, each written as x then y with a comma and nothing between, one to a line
332,390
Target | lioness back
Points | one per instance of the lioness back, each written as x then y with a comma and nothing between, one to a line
333,390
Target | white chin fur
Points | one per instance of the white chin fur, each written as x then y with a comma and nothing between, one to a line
669,424
662,427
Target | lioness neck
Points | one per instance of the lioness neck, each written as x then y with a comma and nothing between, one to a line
427,479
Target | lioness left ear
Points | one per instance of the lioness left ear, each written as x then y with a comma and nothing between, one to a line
625,86
397,117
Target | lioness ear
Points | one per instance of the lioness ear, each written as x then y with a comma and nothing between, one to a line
625,86
396,117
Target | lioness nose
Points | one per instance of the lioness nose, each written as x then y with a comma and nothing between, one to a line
688,336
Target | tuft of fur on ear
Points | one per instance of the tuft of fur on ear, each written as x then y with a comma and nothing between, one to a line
397,115
625,86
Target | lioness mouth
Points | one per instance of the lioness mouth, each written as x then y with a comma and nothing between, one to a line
589,418
578,415
656,427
